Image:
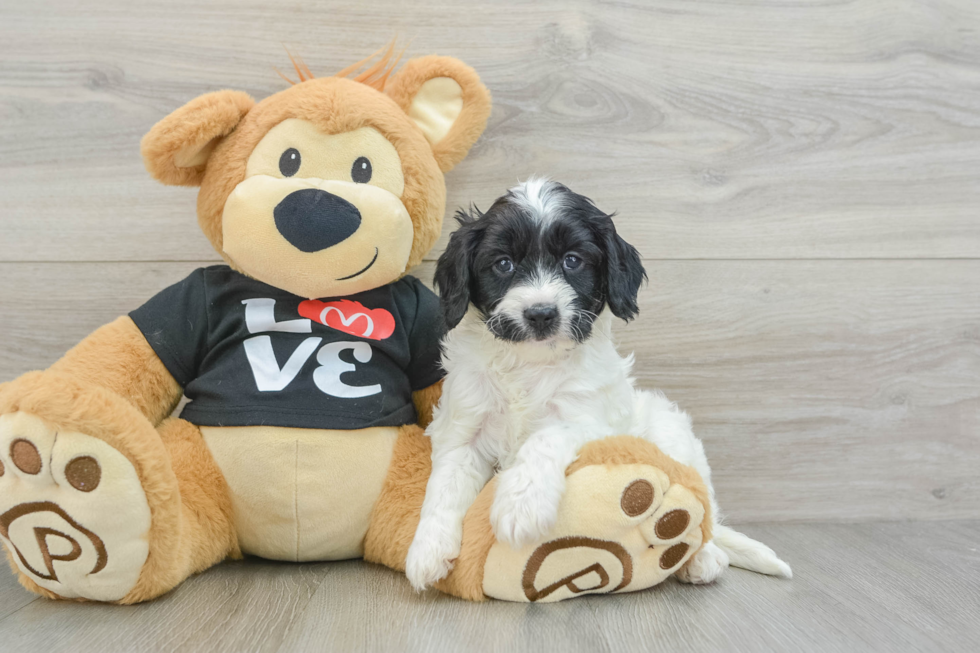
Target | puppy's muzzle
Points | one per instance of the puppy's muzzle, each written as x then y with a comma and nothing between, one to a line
312,219
542,320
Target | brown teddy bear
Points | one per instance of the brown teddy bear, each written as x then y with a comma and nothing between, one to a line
311,361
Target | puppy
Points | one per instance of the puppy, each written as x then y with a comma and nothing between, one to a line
529,290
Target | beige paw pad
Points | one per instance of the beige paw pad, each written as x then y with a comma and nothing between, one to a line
619,528
72,510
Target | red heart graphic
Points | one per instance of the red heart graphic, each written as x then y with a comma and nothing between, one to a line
350,317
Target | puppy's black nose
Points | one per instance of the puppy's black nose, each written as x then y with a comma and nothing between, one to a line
313,219
541,317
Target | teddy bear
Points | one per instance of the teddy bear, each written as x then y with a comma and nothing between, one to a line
310,359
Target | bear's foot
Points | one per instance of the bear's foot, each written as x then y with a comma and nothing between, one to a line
620,528
73,513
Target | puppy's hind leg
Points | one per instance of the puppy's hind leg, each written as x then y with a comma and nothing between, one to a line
660,421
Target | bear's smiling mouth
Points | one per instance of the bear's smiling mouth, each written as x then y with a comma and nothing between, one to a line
363,270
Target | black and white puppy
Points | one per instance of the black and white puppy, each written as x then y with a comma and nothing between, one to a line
529,290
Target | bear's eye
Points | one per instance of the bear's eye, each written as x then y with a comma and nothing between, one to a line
289,162
360,172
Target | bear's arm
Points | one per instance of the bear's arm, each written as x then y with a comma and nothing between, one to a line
118,358
425,401
425,369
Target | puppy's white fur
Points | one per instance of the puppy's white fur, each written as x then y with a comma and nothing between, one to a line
527,408
541,198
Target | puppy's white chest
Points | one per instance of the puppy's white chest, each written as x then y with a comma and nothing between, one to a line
527,403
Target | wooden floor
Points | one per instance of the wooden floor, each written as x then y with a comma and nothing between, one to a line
858,587
801,178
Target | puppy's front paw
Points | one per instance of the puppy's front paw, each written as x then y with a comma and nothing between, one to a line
525,506
430,558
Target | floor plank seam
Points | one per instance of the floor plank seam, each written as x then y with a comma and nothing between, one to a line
31,602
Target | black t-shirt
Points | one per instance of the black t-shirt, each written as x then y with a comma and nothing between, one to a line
249,354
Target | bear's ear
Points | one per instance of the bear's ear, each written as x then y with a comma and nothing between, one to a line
176,150
446,99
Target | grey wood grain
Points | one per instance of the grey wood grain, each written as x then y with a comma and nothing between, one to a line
858,587
829,128
13,597
823,390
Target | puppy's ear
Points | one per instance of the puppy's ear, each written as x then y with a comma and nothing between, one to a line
176,150
624,273
446,99
453,269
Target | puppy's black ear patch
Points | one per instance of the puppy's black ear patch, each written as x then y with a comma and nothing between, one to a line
624,274
453,268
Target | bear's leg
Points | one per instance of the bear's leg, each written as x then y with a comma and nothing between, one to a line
97,504
207,528
631,517
396,513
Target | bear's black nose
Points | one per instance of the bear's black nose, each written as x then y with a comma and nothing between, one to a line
313,219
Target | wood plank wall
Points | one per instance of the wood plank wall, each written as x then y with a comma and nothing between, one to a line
802,179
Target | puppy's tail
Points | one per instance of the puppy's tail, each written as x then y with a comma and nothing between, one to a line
749,554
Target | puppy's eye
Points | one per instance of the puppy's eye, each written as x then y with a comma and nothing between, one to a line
572,262
504,265
289,162
361,171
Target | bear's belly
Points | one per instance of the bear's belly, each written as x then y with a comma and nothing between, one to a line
302,494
